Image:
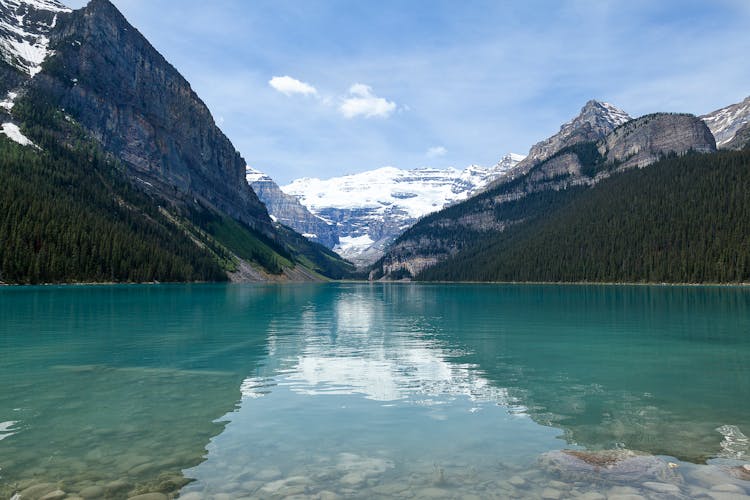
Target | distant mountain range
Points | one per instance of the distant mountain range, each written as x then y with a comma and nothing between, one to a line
85,89
368,210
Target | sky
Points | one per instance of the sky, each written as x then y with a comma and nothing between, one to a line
312,88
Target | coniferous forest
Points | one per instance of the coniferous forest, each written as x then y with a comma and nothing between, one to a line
66,214
683,219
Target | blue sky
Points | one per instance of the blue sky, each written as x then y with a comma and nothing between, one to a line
413,83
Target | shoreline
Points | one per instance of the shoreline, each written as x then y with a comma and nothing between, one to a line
383,282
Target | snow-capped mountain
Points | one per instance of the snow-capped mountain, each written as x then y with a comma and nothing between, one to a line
370,209
287,210
25,26
727,121
24,30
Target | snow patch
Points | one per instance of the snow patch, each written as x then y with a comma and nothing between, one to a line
725,122
353,244
415,192
9,101
23,40
14,133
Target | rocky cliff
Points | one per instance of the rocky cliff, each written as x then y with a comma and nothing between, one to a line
593,123
112,82
287,210
726,122
643,141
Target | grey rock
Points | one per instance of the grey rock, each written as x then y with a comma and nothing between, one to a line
662,487
741,139
92,492
718,495
726,123
608,465
289,211
37,491
595,121
728,488
113,83
551,494
643,141
54,495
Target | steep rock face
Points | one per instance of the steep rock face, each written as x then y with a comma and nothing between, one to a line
741,139
727,121
117,86
370,209
635,143
289,211
641,142
593,123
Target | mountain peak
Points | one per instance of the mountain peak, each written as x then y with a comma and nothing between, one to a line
594,111
593,123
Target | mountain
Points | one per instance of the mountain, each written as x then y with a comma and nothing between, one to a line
680,220
537,190
726,122
86,84
593,123
370,209
287,210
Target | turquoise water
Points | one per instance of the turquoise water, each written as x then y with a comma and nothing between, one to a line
365,391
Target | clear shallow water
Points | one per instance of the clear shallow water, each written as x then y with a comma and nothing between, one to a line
361,390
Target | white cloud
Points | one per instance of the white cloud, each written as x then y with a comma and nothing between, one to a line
362,102
436,152
288,86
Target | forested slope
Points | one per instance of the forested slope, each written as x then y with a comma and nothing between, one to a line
683,219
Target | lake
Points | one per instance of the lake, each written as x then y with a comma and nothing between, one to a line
374,391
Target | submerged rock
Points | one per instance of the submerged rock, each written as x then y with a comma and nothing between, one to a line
37,491
624,466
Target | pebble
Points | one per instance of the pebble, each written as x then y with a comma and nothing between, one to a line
433,493
661,487
150,496
270,474
592,495
708,476
92,492
517,481
558,485
37,491
622,490
626,496
117,485
728,488
54,495
353,478
390,489
551,494
720,495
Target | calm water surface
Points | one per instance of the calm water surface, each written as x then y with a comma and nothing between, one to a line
367,391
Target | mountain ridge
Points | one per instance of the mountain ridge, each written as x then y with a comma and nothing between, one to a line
577,163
